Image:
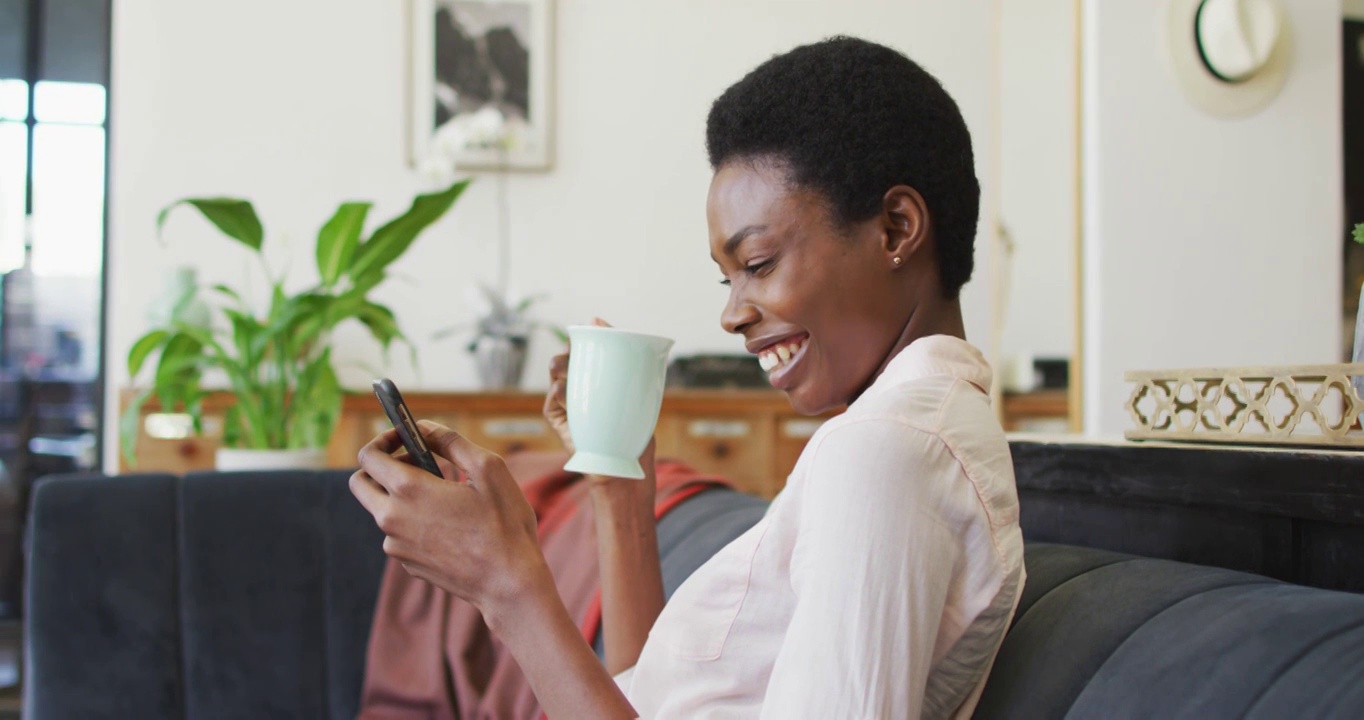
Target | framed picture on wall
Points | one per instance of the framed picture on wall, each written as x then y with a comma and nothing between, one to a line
481,83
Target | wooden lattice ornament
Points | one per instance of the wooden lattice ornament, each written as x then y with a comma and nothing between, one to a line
1285,405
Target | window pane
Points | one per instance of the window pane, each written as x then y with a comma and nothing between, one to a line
76,41
13,37
13,100
68,102
13,167
68,200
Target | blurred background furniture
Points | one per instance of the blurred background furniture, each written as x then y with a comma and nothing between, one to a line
752,437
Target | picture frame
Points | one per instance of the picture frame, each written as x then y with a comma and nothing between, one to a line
481,84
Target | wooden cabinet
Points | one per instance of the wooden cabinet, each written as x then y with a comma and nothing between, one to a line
751,437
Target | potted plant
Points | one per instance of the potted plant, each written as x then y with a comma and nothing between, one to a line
501,337
503,329
278,363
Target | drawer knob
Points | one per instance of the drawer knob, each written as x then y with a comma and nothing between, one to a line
720,450
718,428
514,427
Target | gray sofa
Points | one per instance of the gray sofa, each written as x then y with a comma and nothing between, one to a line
250,596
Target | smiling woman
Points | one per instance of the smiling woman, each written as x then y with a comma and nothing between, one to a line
842,213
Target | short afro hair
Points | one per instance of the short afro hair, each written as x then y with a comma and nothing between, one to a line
851,119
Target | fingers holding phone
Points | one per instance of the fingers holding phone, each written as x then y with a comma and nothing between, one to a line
405,425
476,539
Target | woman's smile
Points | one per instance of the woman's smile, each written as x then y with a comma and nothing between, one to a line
780,358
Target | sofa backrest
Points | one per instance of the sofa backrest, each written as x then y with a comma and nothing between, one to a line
1104,635
1290,515
233,595
213,596
247,595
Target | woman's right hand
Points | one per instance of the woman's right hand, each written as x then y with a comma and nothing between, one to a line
556,400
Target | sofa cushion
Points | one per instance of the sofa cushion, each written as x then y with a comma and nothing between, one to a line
1100,635
1236,645
697,529
1076,625
102,599
279,574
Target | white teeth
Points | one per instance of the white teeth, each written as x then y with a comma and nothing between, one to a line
778,356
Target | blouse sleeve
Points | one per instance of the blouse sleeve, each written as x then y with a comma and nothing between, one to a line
873,562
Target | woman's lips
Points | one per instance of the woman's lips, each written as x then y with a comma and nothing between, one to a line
779,354
781,359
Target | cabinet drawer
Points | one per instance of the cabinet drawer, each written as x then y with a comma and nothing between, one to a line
507,433
737,447
166,443
358,428
793,433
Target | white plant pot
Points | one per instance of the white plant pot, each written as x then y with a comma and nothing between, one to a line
239,460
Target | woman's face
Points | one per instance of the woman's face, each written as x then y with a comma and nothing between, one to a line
822,306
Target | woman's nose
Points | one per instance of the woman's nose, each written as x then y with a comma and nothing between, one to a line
739,314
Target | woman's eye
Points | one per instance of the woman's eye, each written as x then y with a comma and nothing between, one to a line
751,269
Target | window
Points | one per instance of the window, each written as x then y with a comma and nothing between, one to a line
54,78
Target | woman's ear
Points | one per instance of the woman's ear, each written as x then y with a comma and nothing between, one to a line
906,223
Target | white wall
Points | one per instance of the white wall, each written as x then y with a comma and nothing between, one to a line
1206,241
299,105
1037,193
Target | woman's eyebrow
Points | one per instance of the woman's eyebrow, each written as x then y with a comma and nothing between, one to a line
732,243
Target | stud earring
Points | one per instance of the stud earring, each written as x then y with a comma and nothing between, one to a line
897,261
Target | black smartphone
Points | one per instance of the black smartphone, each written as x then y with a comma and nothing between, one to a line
406,425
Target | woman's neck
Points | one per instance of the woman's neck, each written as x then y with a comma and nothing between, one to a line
937,316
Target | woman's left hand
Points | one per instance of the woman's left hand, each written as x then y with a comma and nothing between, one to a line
476,539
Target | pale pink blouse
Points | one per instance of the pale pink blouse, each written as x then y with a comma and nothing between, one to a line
881,580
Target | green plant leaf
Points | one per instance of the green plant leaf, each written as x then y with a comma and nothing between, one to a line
382,324
278,300
389,242
316,405
527,302
145,345
182,380
338,239
236,218
230,293
368,281
232,427
177,367
299,320
1359,233
246,331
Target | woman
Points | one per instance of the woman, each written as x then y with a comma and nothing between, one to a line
881,581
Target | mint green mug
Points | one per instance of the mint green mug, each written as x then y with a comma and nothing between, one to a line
615,389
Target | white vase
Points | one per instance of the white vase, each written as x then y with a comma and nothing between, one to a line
180,284
501,361
240,460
